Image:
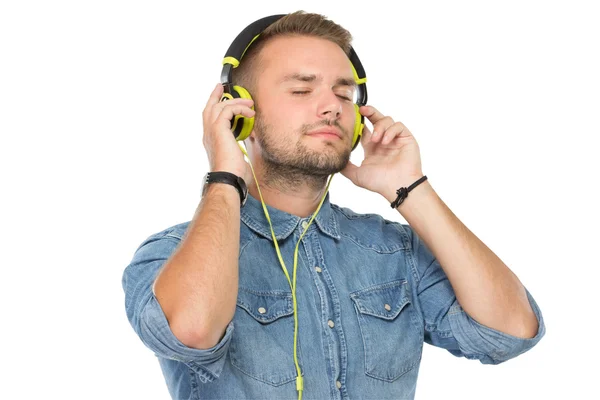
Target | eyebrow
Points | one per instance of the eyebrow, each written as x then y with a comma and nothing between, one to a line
312,78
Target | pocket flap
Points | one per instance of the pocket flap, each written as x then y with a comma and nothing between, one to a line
265,307
382,301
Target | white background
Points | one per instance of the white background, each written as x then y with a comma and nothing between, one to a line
101,146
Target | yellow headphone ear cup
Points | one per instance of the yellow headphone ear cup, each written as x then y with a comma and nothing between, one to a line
358,126
241,126
226,96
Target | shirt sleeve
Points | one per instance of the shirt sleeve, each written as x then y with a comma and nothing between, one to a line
448,326
148,319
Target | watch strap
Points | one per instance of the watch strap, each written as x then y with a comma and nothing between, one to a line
228,178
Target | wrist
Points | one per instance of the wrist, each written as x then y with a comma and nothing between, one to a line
223,189
391,194
228,179
229,167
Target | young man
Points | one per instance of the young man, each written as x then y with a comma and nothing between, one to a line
216,299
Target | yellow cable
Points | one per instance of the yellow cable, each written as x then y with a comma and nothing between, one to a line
299,378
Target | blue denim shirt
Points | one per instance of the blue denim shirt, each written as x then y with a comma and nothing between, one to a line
369,294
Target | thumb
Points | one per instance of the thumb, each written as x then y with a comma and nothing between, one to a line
350,172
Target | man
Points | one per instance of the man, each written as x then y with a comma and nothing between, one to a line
216,299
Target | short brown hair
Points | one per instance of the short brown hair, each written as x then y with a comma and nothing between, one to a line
298,23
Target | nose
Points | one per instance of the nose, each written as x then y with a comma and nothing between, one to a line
330,105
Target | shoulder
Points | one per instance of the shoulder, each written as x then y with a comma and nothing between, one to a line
372,230
173,233
176,233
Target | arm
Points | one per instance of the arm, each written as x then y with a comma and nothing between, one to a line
197,287
472,303
484,286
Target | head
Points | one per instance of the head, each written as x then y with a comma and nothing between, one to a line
300,77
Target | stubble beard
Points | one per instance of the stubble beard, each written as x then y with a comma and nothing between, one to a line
288,167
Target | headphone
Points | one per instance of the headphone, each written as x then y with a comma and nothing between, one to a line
242,126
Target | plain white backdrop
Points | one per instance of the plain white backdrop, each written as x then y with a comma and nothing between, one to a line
101,146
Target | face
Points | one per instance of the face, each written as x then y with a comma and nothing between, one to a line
305,85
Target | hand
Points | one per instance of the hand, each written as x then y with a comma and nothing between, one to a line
224,153
392,158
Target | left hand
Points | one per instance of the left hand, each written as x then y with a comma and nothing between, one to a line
392,158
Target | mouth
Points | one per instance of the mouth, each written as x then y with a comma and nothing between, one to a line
326,133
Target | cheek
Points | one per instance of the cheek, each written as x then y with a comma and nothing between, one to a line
350,118
282,123
291,119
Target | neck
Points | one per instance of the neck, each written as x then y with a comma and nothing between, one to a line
292,194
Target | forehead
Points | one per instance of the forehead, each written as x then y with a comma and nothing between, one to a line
288,55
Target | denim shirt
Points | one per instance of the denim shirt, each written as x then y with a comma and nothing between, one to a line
369,294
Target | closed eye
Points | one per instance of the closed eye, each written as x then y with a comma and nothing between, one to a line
306,91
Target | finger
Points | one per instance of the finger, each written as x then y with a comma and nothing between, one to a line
371,113
220,106
380,127
214,97
227,113
393,132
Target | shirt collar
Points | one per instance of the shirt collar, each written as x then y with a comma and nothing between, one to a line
253,215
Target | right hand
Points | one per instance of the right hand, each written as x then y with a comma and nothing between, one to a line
224,153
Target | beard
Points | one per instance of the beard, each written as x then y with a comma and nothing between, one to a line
288,166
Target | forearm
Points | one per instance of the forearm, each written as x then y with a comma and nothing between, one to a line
484,286
197,287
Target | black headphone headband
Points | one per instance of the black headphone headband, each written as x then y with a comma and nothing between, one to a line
245,38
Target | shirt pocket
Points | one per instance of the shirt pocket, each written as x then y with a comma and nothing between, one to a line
262,345
390,329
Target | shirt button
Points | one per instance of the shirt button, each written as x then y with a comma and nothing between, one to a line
262,310
304,224
318,269
338,384
387,307
330,323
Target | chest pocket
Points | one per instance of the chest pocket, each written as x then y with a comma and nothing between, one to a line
390,328
262,345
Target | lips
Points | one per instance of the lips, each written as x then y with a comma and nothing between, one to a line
326,132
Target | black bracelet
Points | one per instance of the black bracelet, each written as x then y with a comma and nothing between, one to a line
403,192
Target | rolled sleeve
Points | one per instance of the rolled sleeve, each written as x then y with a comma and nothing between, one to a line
148,319
448,326
490,346
156,334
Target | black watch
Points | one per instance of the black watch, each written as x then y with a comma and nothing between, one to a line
229,178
